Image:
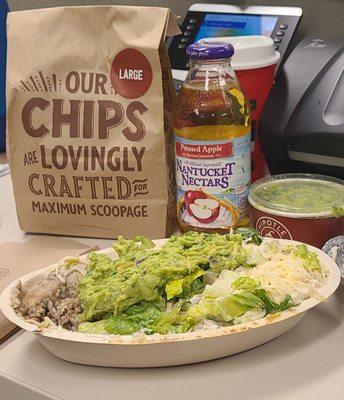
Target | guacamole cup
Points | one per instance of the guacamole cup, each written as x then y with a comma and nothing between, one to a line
304,207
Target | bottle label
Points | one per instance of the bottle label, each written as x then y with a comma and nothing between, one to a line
213,180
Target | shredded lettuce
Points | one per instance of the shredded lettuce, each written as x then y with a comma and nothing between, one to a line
245,283
309,258
174,321
194,288
93,327
272,307
250,235
135,318
237,304
182,286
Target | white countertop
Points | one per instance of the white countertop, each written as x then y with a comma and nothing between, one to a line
306,363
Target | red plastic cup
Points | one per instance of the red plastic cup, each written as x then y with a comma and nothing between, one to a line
285,219
314,231
254,62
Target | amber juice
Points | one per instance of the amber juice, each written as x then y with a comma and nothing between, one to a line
213,148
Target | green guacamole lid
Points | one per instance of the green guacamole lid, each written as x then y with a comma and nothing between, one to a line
299,195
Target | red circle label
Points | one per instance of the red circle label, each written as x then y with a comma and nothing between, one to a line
131,74
270,227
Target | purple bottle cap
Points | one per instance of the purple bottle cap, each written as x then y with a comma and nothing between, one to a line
210,51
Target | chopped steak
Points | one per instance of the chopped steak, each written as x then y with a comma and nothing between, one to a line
55,298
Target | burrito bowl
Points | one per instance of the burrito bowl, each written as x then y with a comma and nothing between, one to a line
189,298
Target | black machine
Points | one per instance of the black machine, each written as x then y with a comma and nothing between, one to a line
218,20
302,125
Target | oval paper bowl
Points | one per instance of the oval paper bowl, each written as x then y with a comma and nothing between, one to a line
165,350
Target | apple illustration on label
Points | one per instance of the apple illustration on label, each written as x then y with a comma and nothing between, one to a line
191,196
202,208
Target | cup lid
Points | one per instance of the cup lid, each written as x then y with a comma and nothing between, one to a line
250,52
210,51
298,195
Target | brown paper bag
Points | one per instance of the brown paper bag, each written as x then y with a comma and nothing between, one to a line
17,259
89,102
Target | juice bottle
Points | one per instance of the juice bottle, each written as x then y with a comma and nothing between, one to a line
212,143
